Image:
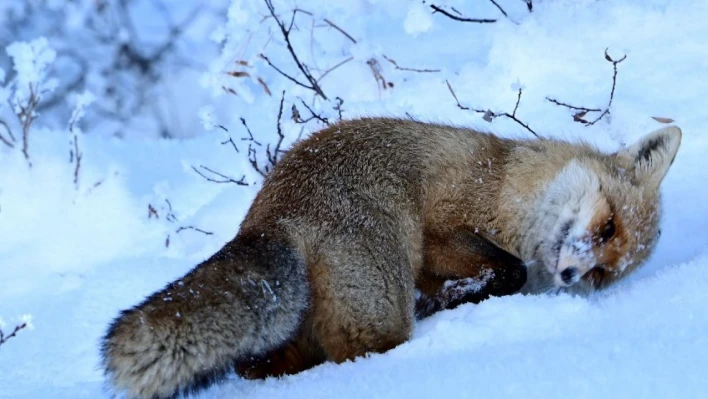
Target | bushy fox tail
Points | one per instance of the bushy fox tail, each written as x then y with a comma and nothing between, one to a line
247,299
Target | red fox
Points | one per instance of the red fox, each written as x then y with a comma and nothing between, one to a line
356,218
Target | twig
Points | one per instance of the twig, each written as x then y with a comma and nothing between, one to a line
297,82
313,115
489,115
554,101
408,69
224,178
75,155
170,213
333,68
529,5
460,106
173,219
500,8
253,160
78,157
338,107
375,67
252,154
230,140
314,86
583,111
330,23
183,228
273,155
4,338
614,84
437,9
250,135
273,158
517,120
518,100
26,117
152,212
9,132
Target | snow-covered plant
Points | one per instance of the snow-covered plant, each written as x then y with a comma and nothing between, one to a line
82,101
135,56
32,63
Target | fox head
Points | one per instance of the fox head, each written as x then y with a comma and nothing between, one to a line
601,214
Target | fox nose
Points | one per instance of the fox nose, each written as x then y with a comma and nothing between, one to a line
568,275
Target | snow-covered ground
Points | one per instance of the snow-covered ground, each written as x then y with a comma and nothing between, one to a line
72,258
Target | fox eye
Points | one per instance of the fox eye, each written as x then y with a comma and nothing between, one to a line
608,231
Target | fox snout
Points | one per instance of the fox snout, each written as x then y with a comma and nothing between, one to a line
568,272
567,276
575,259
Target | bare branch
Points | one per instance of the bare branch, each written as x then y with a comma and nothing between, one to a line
460,106
562,104
500,8
313,115
517,120
183,228
583,111
437,9
273,158
252,155
230,140
375,67
78,157
223,177
518,100
489,115
171,217
614,84
338,107
4,338
9,132
254,161
333,68
152,212
330,23
297,82
314,86
273,155
408,69
250,135
26,116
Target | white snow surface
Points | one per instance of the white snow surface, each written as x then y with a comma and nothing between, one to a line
73,258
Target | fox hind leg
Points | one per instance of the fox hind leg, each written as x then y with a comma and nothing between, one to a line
363,299
298,355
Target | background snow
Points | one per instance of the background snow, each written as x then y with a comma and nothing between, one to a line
73,258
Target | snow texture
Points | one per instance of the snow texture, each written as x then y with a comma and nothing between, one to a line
73,256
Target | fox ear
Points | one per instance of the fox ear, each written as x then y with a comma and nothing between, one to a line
650,158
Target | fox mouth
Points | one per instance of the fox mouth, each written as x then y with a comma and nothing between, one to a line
595,276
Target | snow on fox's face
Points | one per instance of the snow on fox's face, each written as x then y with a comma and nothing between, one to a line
602,216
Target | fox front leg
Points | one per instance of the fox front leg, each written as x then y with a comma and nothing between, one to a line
452,293
460,267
